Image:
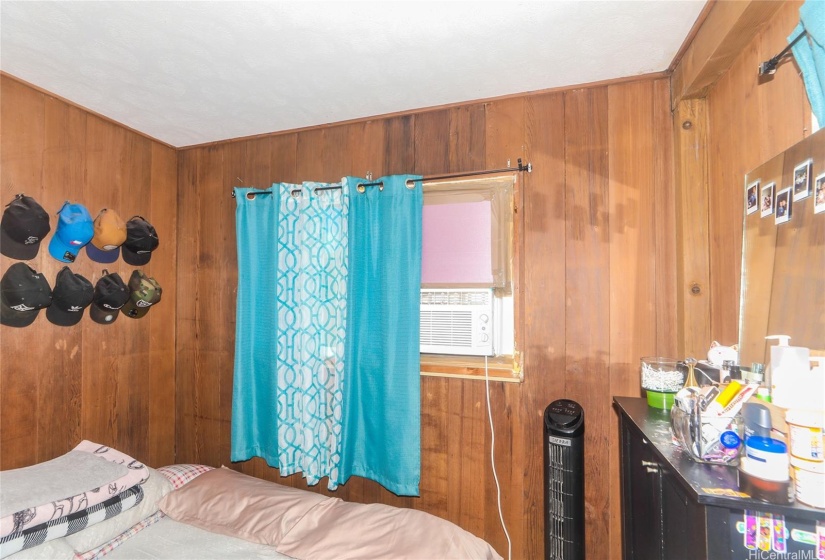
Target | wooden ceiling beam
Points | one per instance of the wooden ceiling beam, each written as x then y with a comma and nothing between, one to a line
728,28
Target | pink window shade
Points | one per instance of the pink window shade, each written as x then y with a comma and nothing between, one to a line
457,244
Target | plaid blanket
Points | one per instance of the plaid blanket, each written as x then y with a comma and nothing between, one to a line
109,546
72,523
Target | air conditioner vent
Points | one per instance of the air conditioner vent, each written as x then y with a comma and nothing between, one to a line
457,297
457,322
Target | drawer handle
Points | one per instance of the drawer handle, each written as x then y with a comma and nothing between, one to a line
651,467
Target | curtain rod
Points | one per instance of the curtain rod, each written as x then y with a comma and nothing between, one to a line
362,186
769,66
521,167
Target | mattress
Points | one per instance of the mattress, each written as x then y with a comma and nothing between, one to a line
198,512
170,539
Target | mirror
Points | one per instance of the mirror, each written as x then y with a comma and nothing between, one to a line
783,253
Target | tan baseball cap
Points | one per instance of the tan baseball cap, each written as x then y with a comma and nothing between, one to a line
110,234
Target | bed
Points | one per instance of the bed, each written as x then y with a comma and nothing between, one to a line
95,502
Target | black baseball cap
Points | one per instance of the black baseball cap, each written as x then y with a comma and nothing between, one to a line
72,294
111,293
24,226
141,240
23,293
144,293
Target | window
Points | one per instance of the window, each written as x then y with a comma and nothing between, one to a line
467,250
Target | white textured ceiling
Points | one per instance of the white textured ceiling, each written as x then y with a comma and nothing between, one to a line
194,72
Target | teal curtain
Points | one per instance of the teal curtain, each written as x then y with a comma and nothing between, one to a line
254,425
381,437
291,319
809,53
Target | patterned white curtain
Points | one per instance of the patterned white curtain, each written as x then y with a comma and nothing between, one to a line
312,312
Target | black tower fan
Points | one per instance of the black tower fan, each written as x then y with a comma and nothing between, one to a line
564,481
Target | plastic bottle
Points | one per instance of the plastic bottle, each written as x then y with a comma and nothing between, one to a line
757,420
788,363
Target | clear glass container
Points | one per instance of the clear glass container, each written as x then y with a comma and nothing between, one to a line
662,375
708,438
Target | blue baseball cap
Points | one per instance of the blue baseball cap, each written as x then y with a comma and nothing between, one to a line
75,228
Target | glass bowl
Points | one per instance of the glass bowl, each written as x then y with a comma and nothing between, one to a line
661,375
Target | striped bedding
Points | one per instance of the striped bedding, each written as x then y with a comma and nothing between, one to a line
72,523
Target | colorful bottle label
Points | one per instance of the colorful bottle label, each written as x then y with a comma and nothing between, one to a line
751,529
764,538
779,543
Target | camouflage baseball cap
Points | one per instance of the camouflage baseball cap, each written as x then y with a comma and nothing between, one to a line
144,292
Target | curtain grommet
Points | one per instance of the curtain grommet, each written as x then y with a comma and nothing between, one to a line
360,188
410,184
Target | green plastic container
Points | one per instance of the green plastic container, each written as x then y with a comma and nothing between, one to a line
660,400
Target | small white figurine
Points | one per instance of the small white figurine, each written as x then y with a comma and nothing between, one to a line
718,353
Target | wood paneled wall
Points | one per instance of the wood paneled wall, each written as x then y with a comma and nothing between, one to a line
598,286
748,123
112,384
597,291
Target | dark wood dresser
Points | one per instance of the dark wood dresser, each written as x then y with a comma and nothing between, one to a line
673,507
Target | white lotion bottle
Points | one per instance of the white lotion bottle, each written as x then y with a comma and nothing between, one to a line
788,364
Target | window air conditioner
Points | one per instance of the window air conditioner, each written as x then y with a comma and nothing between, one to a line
457,322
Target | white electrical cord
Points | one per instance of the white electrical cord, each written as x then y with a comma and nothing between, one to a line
493,460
